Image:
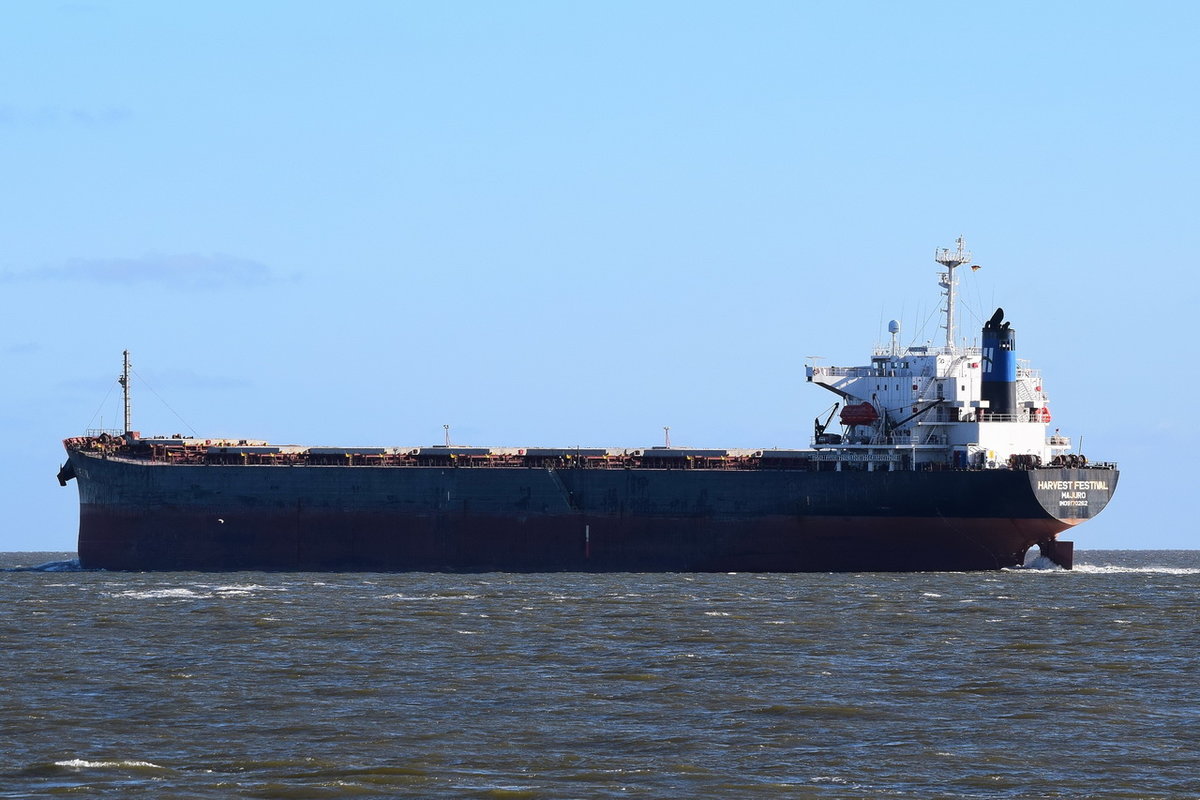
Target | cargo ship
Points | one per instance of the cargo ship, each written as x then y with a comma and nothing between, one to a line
941,459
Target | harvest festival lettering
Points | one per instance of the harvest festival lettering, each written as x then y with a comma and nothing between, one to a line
1068,486
1074,493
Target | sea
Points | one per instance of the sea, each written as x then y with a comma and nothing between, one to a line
1025,683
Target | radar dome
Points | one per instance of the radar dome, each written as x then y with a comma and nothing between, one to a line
894,326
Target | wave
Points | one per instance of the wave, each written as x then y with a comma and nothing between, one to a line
195,591
70,565
180,593
80,763
424,597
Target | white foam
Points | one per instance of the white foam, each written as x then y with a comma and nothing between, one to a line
246,588
80,763
1045,565
1042,563
242,587
199,591
1107,569
418,597
163,594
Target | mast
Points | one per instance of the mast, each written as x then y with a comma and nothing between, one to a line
951,259
124,381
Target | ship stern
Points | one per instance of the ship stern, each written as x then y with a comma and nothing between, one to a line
1071,495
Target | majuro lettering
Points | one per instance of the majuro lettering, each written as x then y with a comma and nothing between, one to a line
1074,498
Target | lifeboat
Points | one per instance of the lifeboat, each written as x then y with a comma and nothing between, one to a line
860,414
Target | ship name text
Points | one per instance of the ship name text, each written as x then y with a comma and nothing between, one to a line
1072,486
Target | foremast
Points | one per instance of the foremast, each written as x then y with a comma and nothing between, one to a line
124,381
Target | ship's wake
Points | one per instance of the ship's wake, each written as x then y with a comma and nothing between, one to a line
1111,569
1044,564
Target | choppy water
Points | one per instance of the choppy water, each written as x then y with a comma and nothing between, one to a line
1022,684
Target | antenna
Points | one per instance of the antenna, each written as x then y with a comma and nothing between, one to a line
447,429
951,259
124,381
667,435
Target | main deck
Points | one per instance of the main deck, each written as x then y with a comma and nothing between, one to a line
250,452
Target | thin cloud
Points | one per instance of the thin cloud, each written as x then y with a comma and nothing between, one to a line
103,116
188,379
54,116
88,9
169,381
192,271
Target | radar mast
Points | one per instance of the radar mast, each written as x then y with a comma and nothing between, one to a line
950,259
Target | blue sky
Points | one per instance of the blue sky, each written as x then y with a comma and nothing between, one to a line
550,223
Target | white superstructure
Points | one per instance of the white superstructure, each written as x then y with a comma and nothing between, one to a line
924,407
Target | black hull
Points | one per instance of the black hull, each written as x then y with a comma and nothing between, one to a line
139,516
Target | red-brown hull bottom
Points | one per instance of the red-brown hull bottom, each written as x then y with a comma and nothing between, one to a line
365,541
